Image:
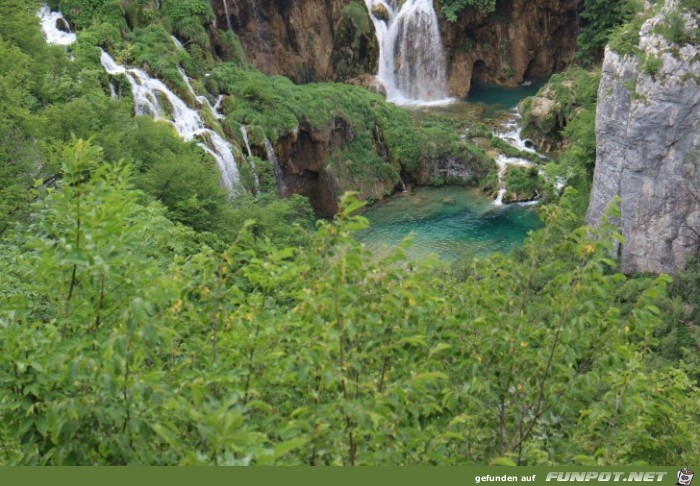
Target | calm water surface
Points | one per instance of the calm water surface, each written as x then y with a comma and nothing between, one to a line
447,221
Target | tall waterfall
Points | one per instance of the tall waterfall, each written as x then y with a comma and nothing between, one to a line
49,25
228,16
187,121
412,62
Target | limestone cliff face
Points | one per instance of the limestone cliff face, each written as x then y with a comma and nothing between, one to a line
308,166
521,40
307,41
648,139
334,40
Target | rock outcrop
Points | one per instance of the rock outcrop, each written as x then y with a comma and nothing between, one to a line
648,149
307,158
562,100
522,39
307,41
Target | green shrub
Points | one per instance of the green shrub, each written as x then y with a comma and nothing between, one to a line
652,65
673,28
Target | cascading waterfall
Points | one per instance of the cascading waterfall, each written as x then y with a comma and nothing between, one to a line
276,168
412,62
503,162
49,25
251,160
188,122
510,133
201,99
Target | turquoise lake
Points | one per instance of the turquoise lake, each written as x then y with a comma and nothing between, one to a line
449,222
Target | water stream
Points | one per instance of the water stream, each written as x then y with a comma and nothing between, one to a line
276,168
228,16
250,159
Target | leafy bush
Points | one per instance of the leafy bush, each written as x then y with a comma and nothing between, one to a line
452,8
601,18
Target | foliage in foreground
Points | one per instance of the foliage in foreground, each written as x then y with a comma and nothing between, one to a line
123,344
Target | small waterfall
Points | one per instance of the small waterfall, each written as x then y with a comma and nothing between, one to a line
403,185
217,105
276,168
49,25
228,16
251,160
503,162
112,91
412,62
177,43
510,132
188,122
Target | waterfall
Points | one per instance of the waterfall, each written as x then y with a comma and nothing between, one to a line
510,132
228,16
188,122
503,162
112,91
217,105
412,62
403,185
276,168
177,43
251,160
49,25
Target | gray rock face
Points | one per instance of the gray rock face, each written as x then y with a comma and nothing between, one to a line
648,151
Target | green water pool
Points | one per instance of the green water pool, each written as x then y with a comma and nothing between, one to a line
449,222
499,99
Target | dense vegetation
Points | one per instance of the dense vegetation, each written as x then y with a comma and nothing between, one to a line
147,318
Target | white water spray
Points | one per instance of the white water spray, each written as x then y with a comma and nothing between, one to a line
412,62
251,160
188,122
49,25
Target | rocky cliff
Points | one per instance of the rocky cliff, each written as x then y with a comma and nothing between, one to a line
648,146
522,39
310,40
333,40
312,165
